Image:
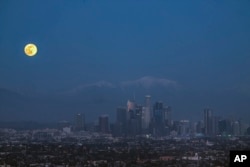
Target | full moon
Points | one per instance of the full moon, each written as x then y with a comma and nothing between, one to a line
30,49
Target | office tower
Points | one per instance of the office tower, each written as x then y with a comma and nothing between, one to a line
148,101
130,109
79,121
167,114
146,113
104,124
215,125
121,121
130,128
138,118
248,131
176,125
121,115
199,127
208,121
184,127
145,118
225,127
243,127
193,129
236,128
158,112
134,122
158,119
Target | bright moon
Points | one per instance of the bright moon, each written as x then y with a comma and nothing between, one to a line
30,49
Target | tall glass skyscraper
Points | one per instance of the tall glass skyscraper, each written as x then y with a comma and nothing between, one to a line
104,124
79,121
146,113
208,121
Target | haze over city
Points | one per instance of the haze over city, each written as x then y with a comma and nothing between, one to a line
94,56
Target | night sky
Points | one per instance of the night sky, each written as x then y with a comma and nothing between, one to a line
189,54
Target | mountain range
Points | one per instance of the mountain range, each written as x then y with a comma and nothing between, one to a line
103,97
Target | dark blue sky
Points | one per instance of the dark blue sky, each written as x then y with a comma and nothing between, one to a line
203,46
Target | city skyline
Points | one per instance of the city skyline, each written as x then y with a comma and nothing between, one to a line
110,111
155,118
150,118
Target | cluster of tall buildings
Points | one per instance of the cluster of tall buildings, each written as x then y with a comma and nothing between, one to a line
215,125
155,119
103,125
136,119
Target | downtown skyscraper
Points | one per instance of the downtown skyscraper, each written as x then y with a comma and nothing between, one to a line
208,122
146,113
79,122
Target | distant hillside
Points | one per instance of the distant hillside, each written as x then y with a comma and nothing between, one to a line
102,98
